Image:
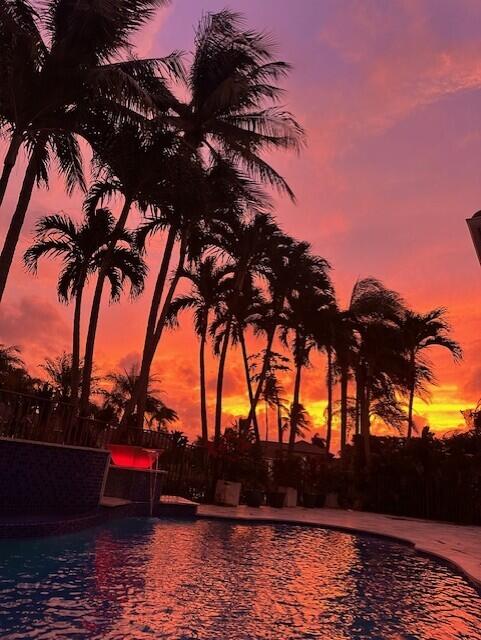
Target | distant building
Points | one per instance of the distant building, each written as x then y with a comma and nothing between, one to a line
273,449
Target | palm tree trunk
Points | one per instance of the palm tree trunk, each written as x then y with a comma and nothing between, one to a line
410,412
329,400
152,319
344,386
76,342
249,384
9,162
94,313
203,386
365,421
220,382
412,391
262,375
280,430
18,218
148,356
294,408
359,398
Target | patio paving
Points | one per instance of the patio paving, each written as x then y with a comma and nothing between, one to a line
458,544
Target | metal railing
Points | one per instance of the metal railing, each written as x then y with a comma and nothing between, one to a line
30,417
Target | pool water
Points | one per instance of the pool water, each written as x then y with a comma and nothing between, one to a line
212,580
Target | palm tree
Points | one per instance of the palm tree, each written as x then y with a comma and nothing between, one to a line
218,196
82,246
297,420
208,284
272,390
238,311
233,89
21,49
46,95
60,375
122,386
246,245
376,314
13,374
420,332
284,260
10,357
309,297
137,162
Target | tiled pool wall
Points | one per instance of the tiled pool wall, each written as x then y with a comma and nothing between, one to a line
42,479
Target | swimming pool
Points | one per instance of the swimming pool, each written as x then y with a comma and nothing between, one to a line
212,580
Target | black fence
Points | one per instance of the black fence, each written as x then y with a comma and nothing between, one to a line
28,417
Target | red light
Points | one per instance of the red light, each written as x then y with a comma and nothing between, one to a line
125,455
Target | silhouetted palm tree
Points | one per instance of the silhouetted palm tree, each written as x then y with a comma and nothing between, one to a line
310,295
285,259
45,95
246,244
420,332
136,162
297,420
21,49
122,386
217,196
81,247
208,287
233,89
272,390
376,313
238,311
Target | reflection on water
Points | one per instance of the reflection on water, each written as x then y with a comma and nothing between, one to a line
221,581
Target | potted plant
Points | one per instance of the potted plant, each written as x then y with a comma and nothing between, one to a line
286,475
313,494
255,482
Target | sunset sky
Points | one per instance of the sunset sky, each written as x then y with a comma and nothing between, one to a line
390,96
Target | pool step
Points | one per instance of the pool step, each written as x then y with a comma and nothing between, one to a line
175,506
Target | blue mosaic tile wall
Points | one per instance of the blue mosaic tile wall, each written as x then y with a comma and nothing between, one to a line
43,479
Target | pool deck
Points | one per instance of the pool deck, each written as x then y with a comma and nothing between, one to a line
457,544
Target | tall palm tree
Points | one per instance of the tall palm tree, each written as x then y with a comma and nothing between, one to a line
217,197
420,332
45,98
310,295
81,247
233,91
208,287
376,314
284,260
246,244
139,162
238,311
21,49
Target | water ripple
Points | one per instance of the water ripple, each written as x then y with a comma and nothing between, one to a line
222,581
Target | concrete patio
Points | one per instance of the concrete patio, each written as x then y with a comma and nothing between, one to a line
459,545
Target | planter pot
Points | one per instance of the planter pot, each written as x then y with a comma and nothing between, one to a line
276,499
309,500
321,500
332,500
254,498
227,493
291,496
